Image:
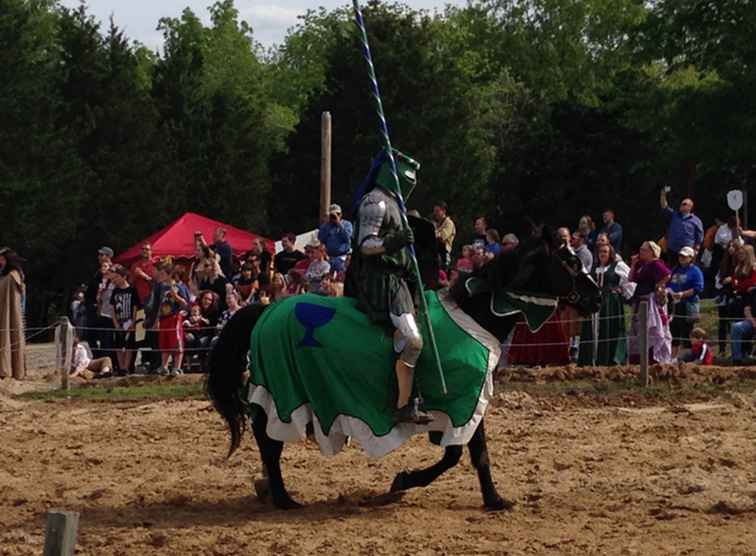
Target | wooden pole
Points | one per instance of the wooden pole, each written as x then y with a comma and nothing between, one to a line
325,165
60,537
59,353
63,345
643,341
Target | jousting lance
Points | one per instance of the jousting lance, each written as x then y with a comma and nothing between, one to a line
383,127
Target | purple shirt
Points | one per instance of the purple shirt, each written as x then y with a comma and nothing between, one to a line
647,275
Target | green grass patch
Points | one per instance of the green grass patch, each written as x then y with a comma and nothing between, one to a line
160,391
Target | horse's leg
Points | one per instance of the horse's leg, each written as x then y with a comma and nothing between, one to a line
479,458
423,477
270,452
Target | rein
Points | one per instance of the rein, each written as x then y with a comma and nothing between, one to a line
574,296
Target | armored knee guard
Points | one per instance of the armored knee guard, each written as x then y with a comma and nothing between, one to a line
408,341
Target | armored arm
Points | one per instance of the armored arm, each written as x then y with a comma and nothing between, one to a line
372,214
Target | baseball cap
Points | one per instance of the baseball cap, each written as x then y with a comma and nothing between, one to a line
105,251
334,209
687,252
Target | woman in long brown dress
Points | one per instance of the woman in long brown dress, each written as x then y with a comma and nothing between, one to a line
12,340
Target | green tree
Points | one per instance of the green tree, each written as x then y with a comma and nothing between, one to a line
220,122
40,165
435,112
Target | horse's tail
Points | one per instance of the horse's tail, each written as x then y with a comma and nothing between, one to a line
227,364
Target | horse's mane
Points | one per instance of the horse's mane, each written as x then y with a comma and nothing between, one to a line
504,269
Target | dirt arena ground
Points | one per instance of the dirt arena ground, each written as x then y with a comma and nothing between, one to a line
589,475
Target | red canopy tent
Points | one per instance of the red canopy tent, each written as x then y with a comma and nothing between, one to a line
177,239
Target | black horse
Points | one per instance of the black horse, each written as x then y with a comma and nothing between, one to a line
539,265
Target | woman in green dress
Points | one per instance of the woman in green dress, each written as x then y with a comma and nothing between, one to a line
603,339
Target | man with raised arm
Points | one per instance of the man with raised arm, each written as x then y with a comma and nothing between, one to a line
685,228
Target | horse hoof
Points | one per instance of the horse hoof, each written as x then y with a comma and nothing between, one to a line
499,505
262,489
398,483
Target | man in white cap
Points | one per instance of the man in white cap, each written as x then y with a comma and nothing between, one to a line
336,235
686,285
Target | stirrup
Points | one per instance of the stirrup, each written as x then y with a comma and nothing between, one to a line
411,413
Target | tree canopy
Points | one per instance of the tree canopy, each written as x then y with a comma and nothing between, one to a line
542,109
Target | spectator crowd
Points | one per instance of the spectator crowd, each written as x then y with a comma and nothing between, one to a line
172,311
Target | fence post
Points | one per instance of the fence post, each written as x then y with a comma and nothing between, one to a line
64,350
60,536
643,341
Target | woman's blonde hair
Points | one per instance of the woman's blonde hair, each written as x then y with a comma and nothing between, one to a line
278,277
745,267
655,248
586,222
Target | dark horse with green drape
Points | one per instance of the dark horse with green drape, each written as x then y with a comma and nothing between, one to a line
316,365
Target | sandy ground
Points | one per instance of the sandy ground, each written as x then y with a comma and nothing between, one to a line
152,478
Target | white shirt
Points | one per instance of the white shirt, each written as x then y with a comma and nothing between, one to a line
81,358
106,309
623,271
723,235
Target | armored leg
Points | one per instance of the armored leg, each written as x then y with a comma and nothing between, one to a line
409,343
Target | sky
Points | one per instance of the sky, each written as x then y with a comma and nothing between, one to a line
269,18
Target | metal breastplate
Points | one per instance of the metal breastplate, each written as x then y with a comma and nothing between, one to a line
372,213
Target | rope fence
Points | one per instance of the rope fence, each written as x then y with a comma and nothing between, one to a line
581,320
65,333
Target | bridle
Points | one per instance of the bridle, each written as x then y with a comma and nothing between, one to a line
574,296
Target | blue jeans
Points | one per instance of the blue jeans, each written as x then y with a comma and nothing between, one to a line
338,263
741,330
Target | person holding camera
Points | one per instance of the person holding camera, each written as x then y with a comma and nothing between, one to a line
685,228
336,235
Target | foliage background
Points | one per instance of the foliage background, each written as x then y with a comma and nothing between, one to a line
547,109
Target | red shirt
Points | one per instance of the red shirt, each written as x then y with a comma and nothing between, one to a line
142,286
302,265
742,285
703,353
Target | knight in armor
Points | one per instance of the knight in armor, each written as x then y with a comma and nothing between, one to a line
381,268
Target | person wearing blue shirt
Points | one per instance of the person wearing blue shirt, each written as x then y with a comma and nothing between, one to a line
493,243
685,285
612,230
336,235
685,228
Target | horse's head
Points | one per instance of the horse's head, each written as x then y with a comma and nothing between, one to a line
545,266
572,284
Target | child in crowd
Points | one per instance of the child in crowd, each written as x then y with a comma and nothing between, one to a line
493,244
465,262
84,366
171,334
247,284
125,302
700,351
194,324
295,282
